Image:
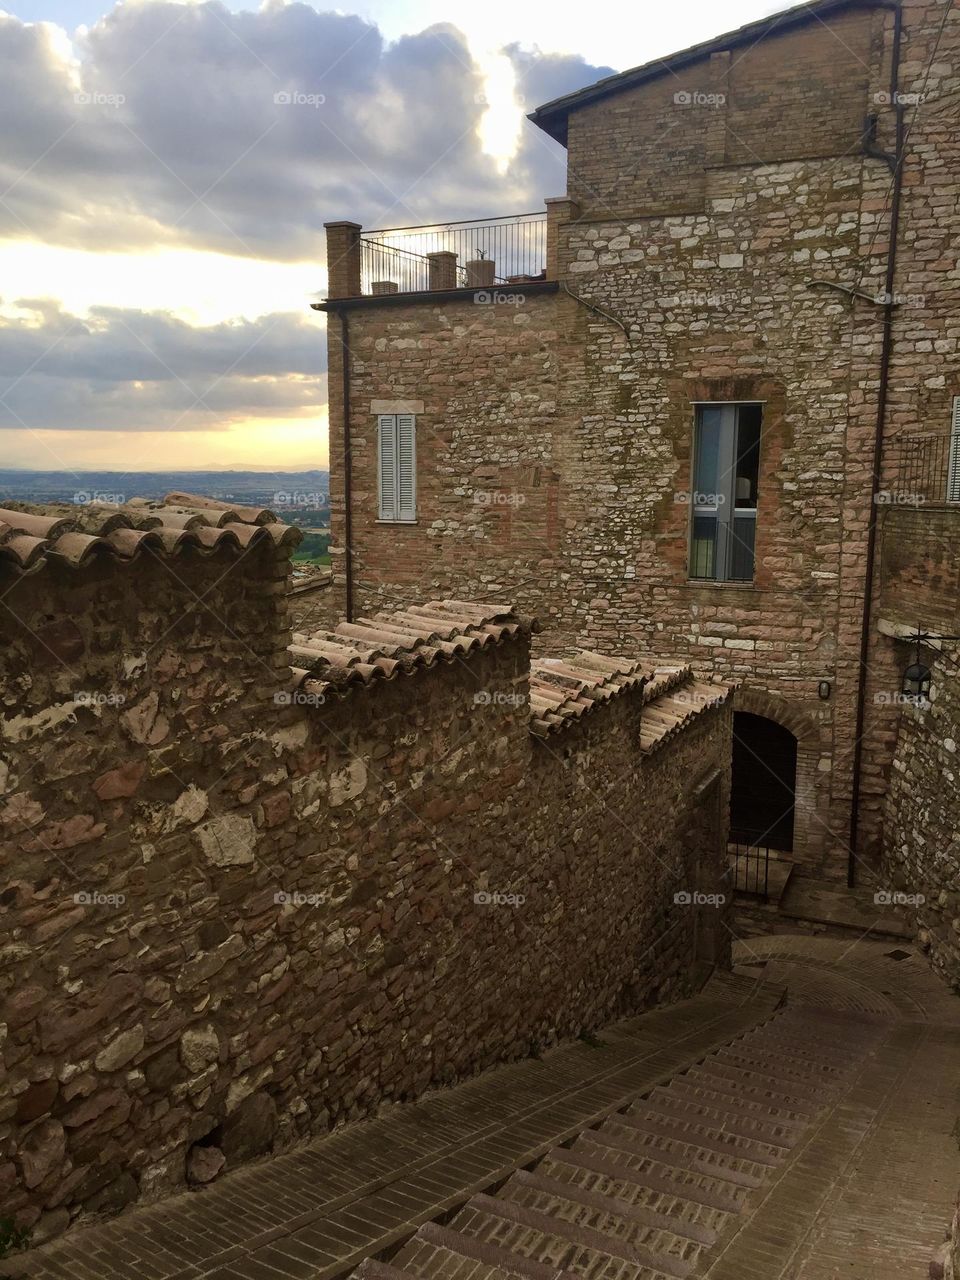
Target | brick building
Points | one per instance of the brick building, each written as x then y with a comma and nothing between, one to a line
674,411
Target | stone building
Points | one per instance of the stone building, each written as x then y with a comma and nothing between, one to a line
249,876
675,411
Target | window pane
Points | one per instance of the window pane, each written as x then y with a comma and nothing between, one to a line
748,455
706,471
743,535
703,547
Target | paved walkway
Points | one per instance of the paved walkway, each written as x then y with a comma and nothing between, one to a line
726,1138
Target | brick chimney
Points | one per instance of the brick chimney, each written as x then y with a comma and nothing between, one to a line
443,269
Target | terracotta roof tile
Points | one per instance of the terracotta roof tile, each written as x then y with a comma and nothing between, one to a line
34,535
564,689
673,700
403,642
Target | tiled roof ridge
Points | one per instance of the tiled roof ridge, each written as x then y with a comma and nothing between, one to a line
33,535
400,642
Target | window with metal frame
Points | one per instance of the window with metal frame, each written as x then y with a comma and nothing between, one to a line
953,473
726,473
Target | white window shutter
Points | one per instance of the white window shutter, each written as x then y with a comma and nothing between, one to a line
953,474
406,467
387,469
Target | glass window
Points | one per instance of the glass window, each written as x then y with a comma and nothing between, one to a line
726,469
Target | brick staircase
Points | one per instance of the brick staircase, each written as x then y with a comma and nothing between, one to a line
645,1193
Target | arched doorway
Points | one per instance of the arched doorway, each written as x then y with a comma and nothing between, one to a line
764,782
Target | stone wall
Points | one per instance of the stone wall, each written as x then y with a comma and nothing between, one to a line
235,916
921,847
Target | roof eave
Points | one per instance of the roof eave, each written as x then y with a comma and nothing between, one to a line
552,116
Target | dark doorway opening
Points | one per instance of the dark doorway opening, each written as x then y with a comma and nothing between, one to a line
764,782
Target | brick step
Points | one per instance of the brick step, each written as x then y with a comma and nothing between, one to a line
371,1269
623,1159
712,1083
814,1094
730,1115
790,1055
701,1133
623,1222
438,1253
799,1049
683,1214
580,1249
684,1153
785,1072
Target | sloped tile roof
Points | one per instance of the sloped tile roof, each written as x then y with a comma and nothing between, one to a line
564,689
399,643
673,699
32,536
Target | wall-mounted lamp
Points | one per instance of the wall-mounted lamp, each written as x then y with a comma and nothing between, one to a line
823,689
915,684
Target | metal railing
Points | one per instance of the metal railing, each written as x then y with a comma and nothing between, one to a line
751,867
926,469
516,245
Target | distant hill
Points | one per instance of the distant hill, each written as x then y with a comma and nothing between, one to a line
260,486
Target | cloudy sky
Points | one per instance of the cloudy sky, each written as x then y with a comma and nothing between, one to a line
161,212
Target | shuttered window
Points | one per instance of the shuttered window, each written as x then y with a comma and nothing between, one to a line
953,474
397,466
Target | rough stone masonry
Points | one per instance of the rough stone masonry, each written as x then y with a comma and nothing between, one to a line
723,237
253,889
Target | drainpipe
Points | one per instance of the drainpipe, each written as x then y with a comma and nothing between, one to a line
896,162
347,467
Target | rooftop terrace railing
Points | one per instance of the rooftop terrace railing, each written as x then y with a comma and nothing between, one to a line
452,255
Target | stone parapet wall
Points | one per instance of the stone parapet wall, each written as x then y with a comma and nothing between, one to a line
236,913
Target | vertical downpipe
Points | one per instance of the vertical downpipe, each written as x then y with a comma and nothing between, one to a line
885,351
347,467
